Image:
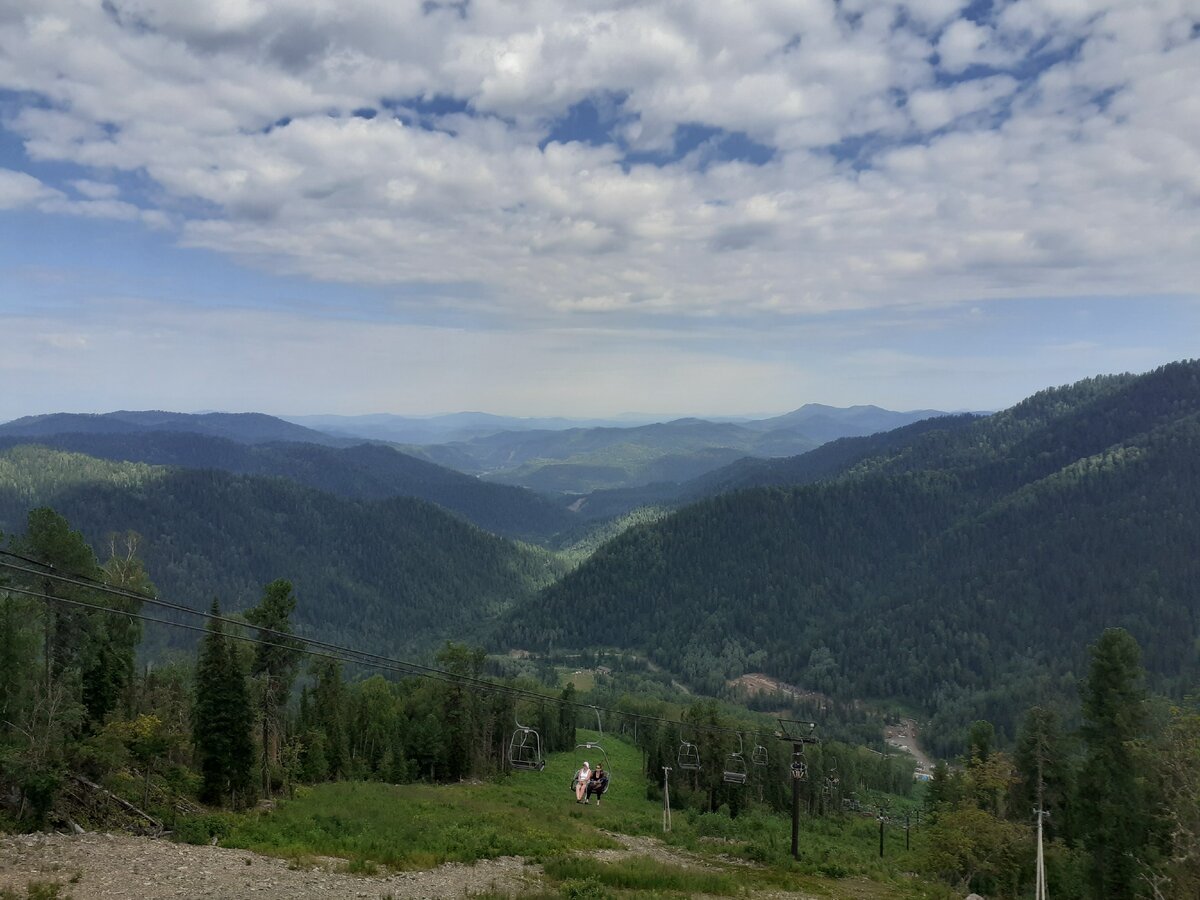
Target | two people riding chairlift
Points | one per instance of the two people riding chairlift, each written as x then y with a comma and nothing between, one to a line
588,782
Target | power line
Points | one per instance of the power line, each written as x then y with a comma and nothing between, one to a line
326,649
409,667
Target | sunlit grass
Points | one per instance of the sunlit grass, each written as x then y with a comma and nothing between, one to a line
534,815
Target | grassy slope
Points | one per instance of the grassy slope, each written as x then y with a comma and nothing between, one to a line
535,816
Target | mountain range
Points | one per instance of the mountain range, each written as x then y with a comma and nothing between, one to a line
958,565
961,569
582,460
574,461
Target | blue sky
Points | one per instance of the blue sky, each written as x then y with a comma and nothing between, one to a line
572,209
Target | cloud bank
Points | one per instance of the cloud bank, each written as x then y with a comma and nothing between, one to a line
631,160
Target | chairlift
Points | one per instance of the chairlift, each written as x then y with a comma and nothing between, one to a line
593,747
735,765
831,781
525,749
758,756
688,756
799,763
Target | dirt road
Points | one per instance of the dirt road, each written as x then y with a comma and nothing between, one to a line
906,736
125,867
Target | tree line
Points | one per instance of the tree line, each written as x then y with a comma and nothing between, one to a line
250,719
1120,794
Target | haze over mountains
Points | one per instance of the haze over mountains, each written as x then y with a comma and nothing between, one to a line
549,455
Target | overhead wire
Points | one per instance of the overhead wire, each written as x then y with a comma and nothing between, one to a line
326,649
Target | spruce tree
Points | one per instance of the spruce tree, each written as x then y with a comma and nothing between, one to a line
241,721
329,712
1114,818
276,663
1043,764
221,719
210,731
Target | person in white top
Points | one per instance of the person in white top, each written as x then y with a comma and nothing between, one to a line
581,782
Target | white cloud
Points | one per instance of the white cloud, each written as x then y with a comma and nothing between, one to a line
19,190
965,43
1086,180
96,190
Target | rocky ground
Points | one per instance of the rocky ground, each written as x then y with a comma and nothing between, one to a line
127,867
124,867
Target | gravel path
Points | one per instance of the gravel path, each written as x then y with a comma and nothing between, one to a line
125,867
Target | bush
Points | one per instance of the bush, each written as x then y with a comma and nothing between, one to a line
585,889
201,829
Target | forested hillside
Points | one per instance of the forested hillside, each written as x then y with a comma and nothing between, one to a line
827,461
964,573
364,472
248,428
392,575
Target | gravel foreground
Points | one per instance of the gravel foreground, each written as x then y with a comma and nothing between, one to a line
124,867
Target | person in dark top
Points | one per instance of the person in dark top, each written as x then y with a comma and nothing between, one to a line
598,783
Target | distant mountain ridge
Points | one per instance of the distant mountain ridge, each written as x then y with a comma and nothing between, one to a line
582,460
572,460
442,429
361,472
246,428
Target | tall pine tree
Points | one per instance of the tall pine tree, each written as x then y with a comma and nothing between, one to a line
221,719
276,663
1114,818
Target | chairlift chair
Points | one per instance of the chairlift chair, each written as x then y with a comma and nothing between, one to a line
831,783
735,766
525,749
688,757
593,747
799,764
758,756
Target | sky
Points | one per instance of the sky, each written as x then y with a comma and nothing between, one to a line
586,208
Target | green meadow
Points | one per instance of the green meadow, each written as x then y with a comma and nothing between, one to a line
534,815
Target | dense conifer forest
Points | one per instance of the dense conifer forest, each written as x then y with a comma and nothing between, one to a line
963,572
387,575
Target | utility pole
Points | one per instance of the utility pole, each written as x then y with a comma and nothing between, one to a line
881,820
906,824
1041,890
666,799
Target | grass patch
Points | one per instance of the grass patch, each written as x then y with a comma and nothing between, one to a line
37,890
534,815
419,826
641,873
